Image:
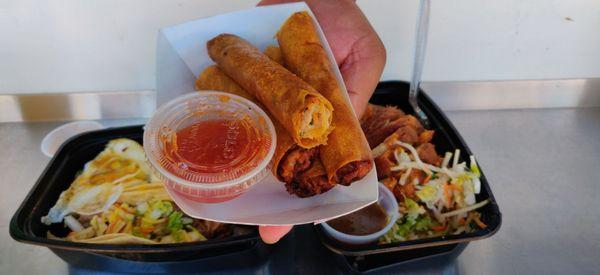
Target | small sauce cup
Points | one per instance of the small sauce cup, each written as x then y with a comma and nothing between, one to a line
210,146
388,202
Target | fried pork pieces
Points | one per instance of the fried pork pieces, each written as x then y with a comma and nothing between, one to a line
387,125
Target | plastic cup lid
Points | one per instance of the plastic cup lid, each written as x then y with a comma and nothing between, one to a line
174,155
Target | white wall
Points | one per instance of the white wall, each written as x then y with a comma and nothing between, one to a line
71,45
492,39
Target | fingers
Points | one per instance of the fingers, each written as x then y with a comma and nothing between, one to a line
358,50
362,69
272,234
356,47
274,2
363,60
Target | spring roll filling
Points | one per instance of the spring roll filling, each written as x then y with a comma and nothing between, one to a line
315,119
296,161
310,182
353,171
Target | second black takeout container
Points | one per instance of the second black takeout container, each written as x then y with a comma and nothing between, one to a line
26,226
446,138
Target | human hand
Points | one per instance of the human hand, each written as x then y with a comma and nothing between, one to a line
357,49
358,52
272,234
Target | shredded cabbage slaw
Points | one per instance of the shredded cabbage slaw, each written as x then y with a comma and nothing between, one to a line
154,220
444,202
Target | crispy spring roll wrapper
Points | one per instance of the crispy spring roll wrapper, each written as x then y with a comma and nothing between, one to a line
299,182
298,107
212,78
346,156
274,53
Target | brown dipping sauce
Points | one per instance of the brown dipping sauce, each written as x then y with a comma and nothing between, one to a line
362,222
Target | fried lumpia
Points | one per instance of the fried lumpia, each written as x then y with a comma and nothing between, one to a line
298,107
310,182
346,156
274,53
290,163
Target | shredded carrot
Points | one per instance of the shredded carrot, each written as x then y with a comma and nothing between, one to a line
123,209
454,187
427,179
479,222
120,226
147,230
447,193
111,227
461,221
439,228
115,226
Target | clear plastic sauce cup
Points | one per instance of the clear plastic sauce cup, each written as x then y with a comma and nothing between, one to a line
210,146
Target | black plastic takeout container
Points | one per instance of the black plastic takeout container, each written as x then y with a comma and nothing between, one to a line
26,226
238,253
446,138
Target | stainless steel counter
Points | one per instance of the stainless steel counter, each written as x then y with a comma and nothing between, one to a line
543,166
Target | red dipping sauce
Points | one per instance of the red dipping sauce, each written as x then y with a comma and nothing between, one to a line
210,147
215,147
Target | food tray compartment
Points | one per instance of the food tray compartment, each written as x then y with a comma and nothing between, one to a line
26,226
243,252
446,138
413,260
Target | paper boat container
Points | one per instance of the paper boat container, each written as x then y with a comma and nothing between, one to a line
182,55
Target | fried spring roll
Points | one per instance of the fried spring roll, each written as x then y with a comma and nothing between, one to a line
289,161
304,113
346,156
212,78
310,182
274,53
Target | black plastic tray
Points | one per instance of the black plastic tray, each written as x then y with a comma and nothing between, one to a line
26,227
304,250
446,138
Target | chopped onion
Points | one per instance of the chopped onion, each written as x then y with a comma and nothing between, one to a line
446,160
404,157
73,224
142,208
379,150
155,214
474,167
456,156
405,176
465,209
415,155
476,185
415,165
397,156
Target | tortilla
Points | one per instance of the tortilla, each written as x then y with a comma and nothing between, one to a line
117,238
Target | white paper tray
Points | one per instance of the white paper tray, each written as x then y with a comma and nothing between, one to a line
182,55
